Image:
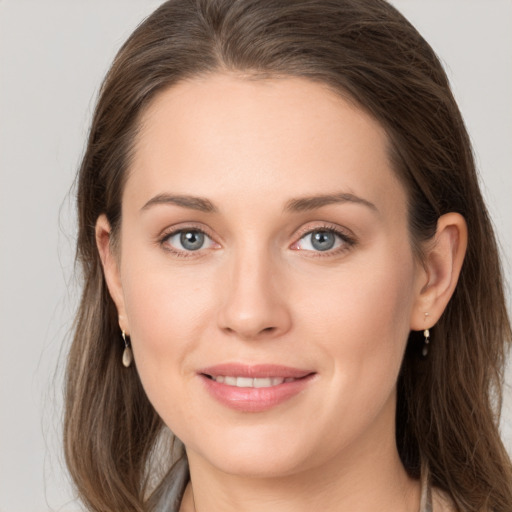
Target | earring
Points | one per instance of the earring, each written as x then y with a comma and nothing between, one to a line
426,334
426,341
127,353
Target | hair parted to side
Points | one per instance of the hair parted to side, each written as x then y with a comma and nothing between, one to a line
448,404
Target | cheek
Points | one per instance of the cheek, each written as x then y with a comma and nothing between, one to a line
361,319
358,324
168,313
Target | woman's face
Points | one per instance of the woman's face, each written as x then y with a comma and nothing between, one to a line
266,276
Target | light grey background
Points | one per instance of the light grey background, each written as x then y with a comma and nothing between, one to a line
53,55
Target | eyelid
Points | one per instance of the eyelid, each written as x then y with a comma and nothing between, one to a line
181,227
326,226
348,238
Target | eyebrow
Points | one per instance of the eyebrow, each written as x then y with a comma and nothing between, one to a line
301,204
192,202
304,204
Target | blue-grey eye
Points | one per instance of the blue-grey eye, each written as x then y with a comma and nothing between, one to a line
187,240
323,240
192,240
320,240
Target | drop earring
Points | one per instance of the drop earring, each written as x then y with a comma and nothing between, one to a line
426,340
424,351
127,353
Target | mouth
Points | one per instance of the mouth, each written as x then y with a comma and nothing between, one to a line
248,382
254,388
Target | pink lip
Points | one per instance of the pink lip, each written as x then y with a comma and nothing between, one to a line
254,399
255,371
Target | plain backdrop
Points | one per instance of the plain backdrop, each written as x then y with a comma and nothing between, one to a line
53,55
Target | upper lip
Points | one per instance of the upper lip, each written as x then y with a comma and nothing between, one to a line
258,371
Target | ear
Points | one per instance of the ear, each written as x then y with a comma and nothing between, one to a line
442,264
111,269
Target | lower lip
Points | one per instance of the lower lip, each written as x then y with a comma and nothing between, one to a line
255,399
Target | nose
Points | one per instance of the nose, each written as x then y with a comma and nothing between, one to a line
254,304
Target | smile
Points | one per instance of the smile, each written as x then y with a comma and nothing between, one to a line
254,388
247,382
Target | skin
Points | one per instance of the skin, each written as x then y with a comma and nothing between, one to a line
259,292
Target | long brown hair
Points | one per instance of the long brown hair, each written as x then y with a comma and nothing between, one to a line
448,404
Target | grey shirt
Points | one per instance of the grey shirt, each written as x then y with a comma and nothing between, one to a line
173,488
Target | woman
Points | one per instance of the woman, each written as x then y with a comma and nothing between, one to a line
288,265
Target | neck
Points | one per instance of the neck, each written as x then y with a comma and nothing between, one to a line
390,492
365,478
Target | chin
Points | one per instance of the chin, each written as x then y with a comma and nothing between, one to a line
260,467
254,455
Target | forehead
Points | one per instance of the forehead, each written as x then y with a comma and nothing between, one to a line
227,135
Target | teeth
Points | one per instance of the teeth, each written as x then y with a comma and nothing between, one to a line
244,382
247,382
230,381
266,383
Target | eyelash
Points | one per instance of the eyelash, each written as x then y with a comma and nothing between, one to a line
176,252
348,241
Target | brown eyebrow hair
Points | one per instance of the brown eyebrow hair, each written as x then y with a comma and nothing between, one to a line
311,203
301,204
195,203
